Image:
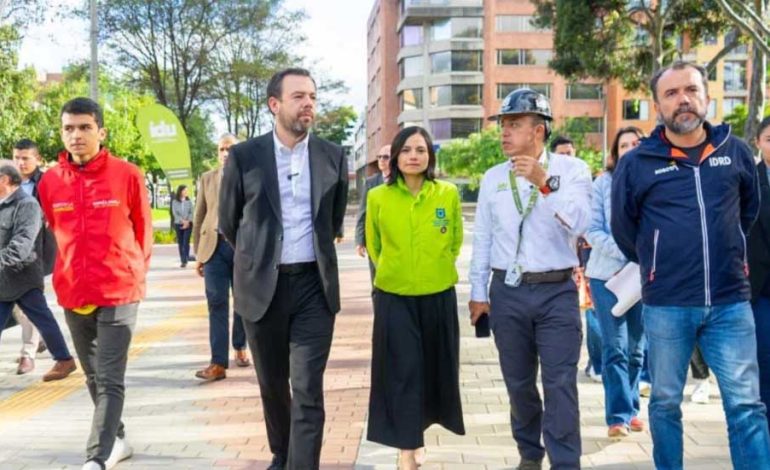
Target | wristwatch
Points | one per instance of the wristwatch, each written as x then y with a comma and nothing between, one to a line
551,185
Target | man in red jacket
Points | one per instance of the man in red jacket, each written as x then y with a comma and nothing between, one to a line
97,208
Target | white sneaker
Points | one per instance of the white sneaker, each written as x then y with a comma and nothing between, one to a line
701,392
645,389
121,450
593,375
91,465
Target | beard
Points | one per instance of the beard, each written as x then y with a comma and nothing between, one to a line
685,127
295,125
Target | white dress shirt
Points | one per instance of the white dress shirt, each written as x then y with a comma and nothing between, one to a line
550,231
296,201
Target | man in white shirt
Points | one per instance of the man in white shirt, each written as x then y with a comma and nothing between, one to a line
530,211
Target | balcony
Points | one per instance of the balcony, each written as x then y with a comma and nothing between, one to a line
421,11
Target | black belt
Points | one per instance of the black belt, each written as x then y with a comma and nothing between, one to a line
297,268
560,275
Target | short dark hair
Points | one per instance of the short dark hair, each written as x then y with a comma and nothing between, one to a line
763,125
560,140
678,65
613,157
275,85
26,144
7,168
398,143
82,105
178,194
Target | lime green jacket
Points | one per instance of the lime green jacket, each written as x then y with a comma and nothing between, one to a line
414,241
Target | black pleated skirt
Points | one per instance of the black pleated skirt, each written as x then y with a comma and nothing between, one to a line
415,368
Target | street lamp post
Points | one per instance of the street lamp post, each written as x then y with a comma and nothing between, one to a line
94,52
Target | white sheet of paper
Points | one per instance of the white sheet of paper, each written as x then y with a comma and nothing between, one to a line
626,284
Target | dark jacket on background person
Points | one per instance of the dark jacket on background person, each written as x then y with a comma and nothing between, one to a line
759,239
371,182
686,225
21,268
48,241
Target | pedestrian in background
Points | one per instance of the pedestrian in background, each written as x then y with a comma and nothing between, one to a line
416,338
383,167
21,267
759,263
182,212
622,337
530,212
97,207
684,200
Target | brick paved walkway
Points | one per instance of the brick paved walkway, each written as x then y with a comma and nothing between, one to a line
175,422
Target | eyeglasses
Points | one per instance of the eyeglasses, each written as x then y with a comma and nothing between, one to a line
383,157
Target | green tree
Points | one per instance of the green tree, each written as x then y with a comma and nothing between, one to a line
737,119
335,124
576,129
470,158
627,41
19,116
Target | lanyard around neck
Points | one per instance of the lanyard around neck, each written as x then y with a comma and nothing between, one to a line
532,197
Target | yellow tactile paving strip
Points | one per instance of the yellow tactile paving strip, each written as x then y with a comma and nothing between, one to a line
42,395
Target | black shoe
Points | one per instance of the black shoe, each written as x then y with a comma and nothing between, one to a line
530,464
183,265
278,463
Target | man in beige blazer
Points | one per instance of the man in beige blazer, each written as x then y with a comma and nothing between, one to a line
215,265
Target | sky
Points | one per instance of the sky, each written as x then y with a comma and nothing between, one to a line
335,30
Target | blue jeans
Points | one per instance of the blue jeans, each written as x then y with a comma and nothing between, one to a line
183,242
35,307
727,338
761,308
593,341
622,355
218,278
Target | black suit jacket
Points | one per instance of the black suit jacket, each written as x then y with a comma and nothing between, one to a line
759,237
250,218
371,182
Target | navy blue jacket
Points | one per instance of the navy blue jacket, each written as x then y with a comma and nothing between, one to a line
684,224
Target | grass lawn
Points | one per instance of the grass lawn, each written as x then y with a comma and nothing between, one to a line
160,215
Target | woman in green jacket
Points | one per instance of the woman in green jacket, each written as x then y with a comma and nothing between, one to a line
413,235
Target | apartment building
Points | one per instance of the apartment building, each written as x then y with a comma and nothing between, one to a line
447,64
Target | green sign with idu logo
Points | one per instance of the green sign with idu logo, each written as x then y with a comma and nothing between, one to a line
164,135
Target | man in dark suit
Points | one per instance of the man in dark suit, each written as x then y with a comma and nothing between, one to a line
282,204
383,164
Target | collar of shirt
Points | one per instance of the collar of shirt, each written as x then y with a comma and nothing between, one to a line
280,148
28,186
425,190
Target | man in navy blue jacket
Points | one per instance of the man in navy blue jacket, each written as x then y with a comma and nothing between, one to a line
683,202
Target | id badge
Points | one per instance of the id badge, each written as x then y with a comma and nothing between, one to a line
513,275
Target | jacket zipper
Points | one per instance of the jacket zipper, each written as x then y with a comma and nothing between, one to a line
704,232
745,251
654,254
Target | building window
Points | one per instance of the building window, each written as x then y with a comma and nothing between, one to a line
636,110
515,24
710,40
584,91
593,125
457,128
729,105
456,61
470,27
504,89
411,35
539,57
448,95
735,75
740,49
411,67
411,99
712,109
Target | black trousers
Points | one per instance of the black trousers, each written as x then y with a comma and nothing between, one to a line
415,368
539,324
290,346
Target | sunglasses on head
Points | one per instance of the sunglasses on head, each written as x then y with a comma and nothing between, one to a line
383,157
